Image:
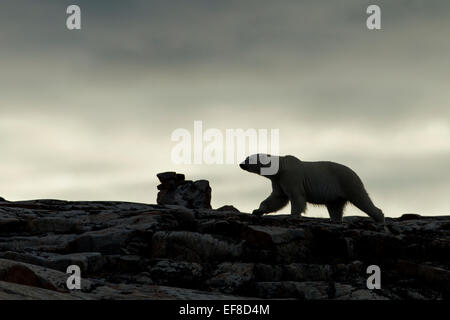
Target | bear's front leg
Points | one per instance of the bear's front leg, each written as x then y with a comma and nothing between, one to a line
273,203
264,207
258,212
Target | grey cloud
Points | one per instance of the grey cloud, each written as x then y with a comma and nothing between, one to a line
140,69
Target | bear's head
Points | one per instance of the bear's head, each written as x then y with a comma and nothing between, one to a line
262,164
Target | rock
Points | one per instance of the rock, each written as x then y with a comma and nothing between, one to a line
167,177
143,278
151,292
285,244
268,273
375,245
44,243
170,251
210,213
123,264
107,241
10,224
14,291
36,276
348,272
308,290
178,273
227,208
409,216
305,272
267,235
89,262
54,225
190,194
348,292
226,228
185,217
232,277
430,274
331,242
193,247
21,274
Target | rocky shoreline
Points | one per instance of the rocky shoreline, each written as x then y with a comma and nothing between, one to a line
148,251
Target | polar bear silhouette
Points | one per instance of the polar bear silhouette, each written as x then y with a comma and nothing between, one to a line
301,182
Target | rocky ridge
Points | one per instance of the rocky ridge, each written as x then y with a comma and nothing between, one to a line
149,251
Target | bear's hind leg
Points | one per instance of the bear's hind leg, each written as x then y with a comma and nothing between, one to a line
336,210
298,206
366,205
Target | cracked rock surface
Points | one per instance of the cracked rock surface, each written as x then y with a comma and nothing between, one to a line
148,251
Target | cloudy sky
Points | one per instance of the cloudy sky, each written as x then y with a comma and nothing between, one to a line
88,115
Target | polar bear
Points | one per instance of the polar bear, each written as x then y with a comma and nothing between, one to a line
323,182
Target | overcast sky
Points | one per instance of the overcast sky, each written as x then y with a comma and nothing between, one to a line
88,115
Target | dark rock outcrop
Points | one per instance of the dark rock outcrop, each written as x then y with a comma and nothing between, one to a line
144,251
175,190
228,208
